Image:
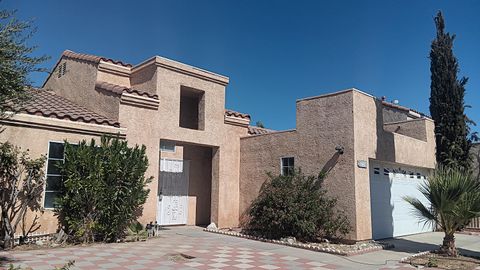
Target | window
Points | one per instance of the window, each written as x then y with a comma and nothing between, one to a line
376,170
288,165
54,177
167,146
192,108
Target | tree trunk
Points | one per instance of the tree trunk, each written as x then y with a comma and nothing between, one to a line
448,246
6,234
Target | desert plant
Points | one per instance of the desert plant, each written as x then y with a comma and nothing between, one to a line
104,189
295,205
16,60
136,231
453,200
21,185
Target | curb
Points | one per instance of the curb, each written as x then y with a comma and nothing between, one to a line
302,245
408,258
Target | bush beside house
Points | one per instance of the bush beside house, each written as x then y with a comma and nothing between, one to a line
103,189
295,205
21,185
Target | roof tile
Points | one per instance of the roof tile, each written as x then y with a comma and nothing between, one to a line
258,130
117,89
237,114
47,104
93,58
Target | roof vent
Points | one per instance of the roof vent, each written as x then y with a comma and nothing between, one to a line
395,101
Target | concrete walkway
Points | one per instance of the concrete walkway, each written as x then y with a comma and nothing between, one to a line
212,251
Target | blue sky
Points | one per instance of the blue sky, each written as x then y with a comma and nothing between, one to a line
273,51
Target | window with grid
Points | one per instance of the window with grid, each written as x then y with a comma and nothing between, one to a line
54,177
288,165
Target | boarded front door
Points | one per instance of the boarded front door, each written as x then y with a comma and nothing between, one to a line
173,192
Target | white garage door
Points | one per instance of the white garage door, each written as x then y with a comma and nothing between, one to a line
391,215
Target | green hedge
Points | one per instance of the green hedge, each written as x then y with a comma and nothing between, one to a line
103,190
295,205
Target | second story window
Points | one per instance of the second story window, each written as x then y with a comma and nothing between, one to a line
192,108
167,146
288,165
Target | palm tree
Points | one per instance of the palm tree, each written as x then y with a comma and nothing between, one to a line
454,199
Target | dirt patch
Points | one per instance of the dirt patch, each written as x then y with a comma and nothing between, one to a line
179,257
441,262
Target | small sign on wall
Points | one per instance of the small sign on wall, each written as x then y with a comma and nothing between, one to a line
362,164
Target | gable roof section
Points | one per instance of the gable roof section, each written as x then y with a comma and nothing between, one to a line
92,58
47,104
117,89
252,130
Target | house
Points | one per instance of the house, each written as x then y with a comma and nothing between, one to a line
207,162
375,152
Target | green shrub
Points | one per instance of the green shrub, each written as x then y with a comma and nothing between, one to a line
136,231
103,190
295,205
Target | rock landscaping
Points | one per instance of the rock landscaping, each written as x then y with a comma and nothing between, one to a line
438,261
327,247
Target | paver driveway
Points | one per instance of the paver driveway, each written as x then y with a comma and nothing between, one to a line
207,251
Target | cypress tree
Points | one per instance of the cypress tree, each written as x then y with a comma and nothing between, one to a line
447,101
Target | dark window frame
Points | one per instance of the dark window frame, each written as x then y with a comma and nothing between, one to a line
287,165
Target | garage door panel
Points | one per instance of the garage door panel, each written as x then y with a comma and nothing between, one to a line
392,216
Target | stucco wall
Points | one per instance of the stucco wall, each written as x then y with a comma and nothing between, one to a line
350,119
415,128
200,183
374,142
145,78
36,141
78,85
148,126
322,124
260,155
393,115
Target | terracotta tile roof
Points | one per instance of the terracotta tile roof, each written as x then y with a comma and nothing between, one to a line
117,89
47,104
252,130
237,114
93,58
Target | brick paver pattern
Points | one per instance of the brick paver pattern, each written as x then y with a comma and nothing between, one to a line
161,254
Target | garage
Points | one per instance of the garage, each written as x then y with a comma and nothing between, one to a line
391,215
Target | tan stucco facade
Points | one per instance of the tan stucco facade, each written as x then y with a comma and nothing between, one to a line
350,119
213,150
33,133
227,164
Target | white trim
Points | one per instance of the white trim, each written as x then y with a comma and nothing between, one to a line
179,67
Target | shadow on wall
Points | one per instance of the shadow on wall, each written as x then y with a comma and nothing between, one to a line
381,207
380,184
385,140
330,163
